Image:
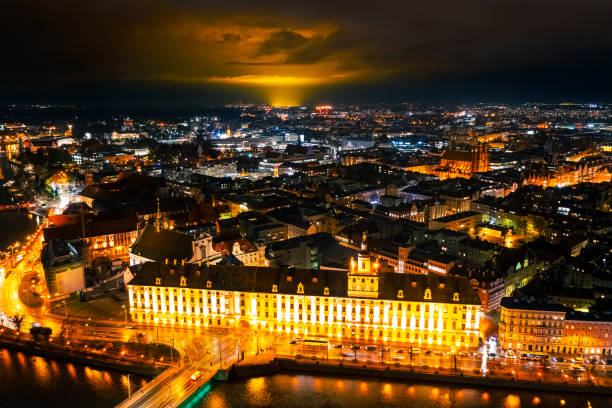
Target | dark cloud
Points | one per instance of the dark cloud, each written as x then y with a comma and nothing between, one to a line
509,47
230,38
284,40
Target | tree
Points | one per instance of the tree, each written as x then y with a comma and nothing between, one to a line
40,333
17,320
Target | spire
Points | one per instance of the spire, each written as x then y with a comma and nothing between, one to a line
158,217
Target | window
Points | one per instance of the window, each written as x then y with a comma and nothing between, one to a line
158,281
183,281
400,294
300,288
208,284
427,294
456,297
326,291
274,288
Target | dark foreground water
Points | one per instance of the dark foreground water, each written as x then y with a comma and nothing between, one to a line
28,381
329,392
15,226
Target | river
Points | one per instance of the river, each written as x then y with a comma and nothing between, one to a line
30,381
15,226
289,391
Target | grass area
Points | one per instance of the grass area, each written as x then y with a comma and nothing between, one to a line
26,293
103,308
146,352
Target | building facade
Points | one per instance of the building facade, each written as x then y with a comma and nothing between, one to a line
362,305
552,328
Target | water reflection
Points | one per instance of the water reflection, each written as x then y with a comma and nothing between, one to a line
31,381
322,392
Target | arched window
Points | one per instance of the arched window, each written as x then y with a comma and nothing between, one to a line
274,288
208,284
456,297
326,291
158,281
427,294
183,281
400,294
300,288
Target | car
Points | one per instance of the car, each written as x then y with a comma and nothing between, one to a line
463,353
297,339
338,346
347,355
415,351
427,352
293,342
437,352
196,375
355,348
400,351
398,357
371,348
578,359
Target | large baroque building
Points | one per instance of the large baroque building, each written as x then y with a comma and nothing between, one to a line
362,304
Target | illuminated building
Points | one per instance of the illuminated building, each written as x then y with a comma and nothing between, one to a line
587,170
464,163
363,304
526,327
552,328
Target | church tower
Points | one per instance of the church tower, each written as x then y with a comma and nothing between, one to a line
363,275
480,158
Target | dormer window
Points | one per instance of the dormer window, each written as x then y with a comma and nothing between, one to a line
274,288
183,281
326,291
315,279
158,281
427,294
300,288
208,284
413,284
441,285
456,297
400,294
289,278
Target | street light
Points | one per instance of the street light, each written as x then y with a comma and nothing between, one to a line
124,312
65,308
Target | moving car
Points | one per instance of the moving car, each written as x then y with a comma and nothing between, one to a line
196,376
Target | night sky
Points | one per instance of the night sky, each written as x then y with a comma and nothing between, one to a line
190,53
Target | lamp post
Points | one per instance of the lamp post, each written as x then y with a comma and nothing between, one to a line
124,312
65,309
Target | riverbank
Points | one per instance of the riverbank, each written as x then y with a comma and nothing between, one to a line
59,353
291,366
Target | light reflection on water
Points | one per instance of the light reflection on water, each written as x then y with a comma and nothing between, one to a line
30,381
323,392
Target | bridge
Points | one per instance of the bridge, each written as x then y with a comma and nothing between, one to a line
175,386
